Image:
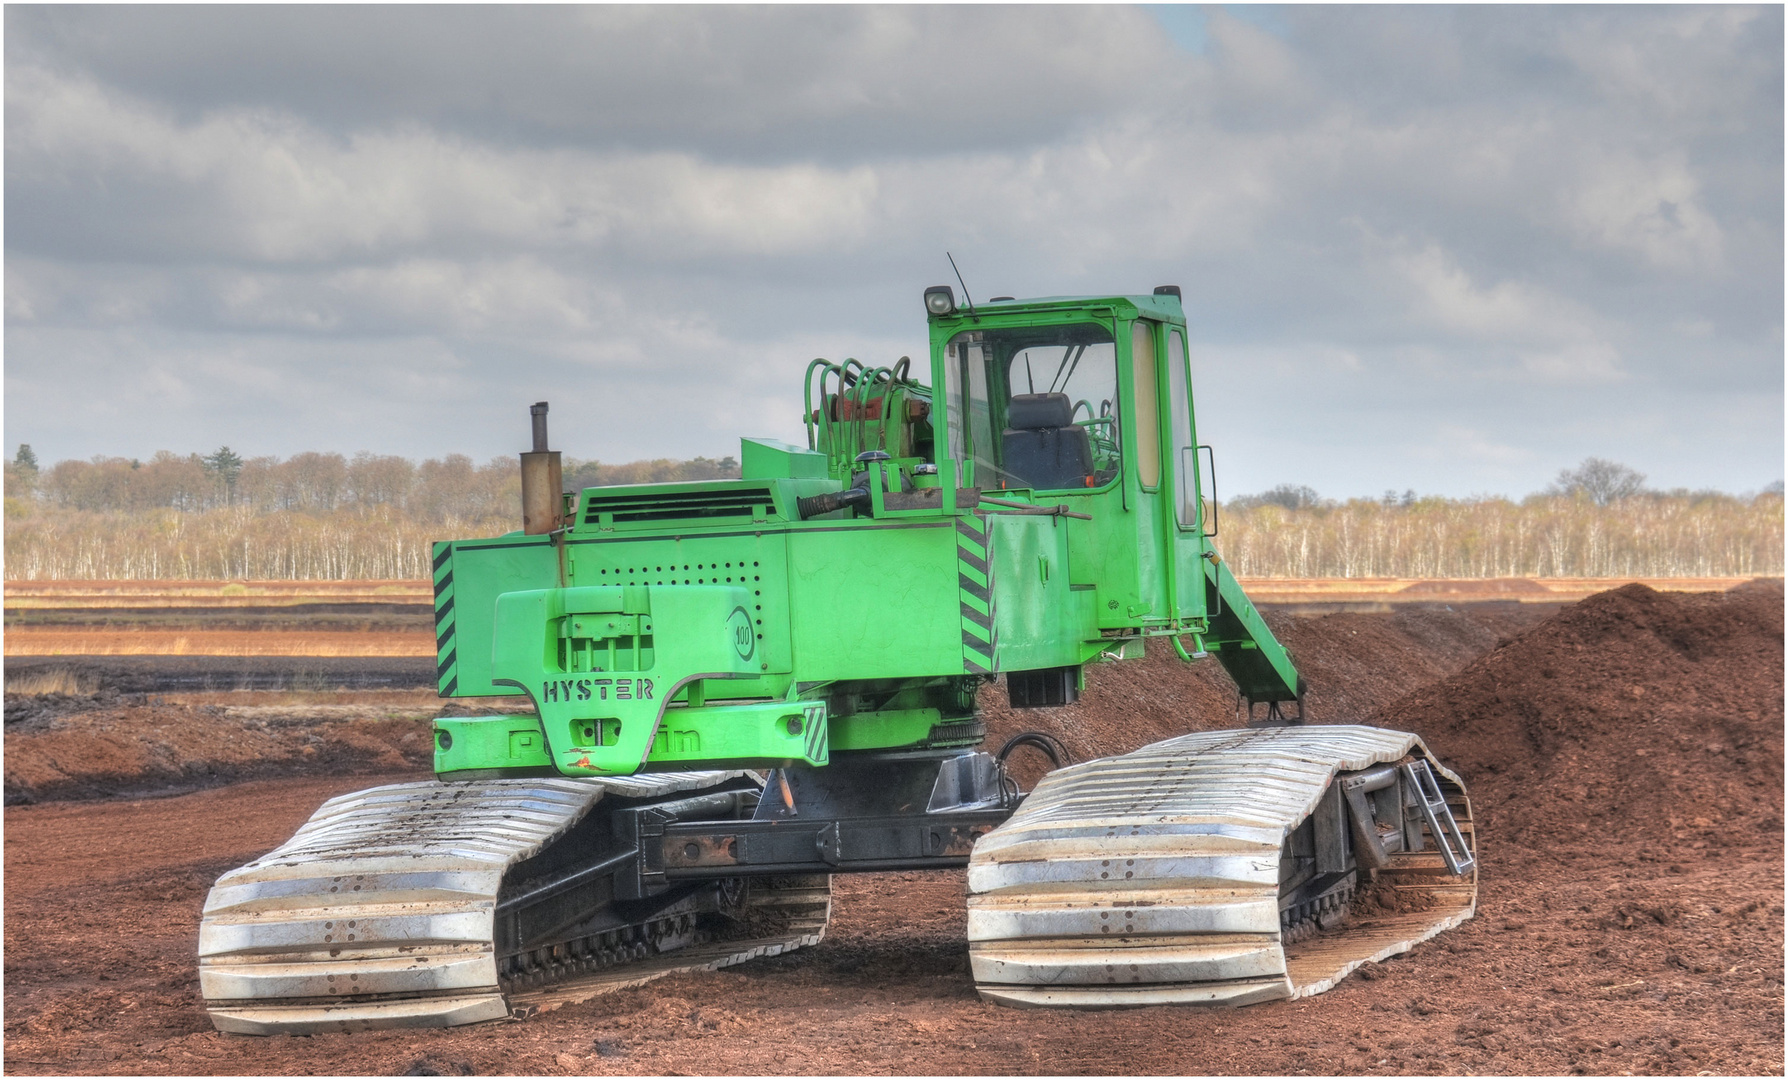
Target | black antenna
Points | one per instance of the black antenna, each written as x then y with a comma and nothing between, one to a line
965,296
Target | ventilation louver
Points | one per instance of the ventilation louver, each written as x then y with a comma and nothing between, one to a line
701,505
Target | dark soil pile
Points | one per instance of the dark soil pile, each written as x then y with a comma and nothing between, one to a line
1634,713
1356,664
1353,663
113,746
186,674
39,712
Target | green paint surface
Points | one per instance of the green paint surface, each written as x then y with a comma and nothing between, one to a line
708,624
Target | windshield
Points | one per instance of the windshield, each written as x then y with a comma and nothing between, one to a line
1034,407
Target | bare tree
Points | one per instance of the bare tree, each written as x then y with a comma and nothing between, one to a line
579,475
314,481
1602,482
1290,496
376,480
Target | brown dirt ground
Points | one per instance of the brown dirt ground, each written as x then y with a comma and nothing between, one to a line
184,591
138,641
175,675
108,745
1631,912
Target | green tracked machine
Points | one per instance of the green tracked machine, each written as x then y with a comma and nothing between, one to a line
855,595
736,688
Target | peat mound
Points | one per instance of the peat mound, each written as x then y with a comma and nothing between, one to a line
128,749
1631,715
1354,664
39,712
204,674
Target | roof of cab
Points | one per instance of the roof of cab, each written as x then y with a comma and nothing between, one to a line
1165,307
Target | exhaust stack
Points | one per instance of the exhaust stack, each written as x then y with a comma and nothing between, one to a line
543,504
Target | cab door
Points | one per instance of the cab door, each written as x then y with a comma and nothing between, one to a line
1168,509
1181,510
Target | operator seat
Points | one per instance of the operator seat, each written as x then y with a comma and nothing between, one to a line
1044,449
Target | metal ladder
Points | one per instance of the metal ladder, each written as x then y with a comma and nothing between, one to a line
1440,817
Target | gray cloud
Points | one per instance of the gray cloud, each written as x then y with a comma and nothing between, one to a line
738,82
1449,248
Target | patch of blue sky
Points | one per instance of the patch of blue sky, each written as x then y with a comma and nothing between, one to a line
1268,17
1185,23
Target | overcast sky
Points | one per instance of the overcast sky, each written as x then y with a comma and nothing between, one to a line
1449,249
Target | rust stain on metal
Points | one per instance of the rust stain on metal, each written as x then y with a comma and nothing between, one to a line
720,850
962,840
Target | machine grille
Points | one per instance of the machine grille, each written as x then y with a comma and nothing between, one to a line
681,505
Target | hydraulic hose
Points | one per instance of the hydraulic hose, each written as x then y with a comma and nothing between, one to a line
829,501
1050,745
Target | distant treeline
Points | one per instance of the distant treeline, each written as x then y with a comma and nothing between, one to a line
448,490
1675,534
1596,520
325,516
310,516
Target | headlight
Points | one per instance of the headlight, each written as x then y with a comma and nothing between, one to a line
939,300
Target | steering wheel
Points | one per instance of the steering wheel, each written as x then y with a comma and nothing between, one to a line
1101,430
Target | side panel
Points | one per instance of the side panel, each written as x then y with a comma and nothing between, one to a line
755,560
1035,622
875,601
1103,553
1150,603
1189,575
469,576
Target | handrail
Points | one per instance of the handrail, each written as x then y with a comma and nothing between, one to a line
1032,508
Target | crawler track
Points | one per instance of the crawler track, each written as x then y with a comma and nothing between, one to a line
400,906
1162,876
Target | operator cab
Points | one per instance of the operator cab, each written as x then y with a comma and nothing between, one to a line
1083,403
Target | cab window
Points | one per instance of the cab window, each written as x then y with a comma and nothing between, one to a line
1034,407
1148,421
1179,410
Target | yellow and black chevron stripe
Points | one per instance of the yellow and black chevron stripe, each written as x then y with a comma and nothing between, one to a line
446,654
974,579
